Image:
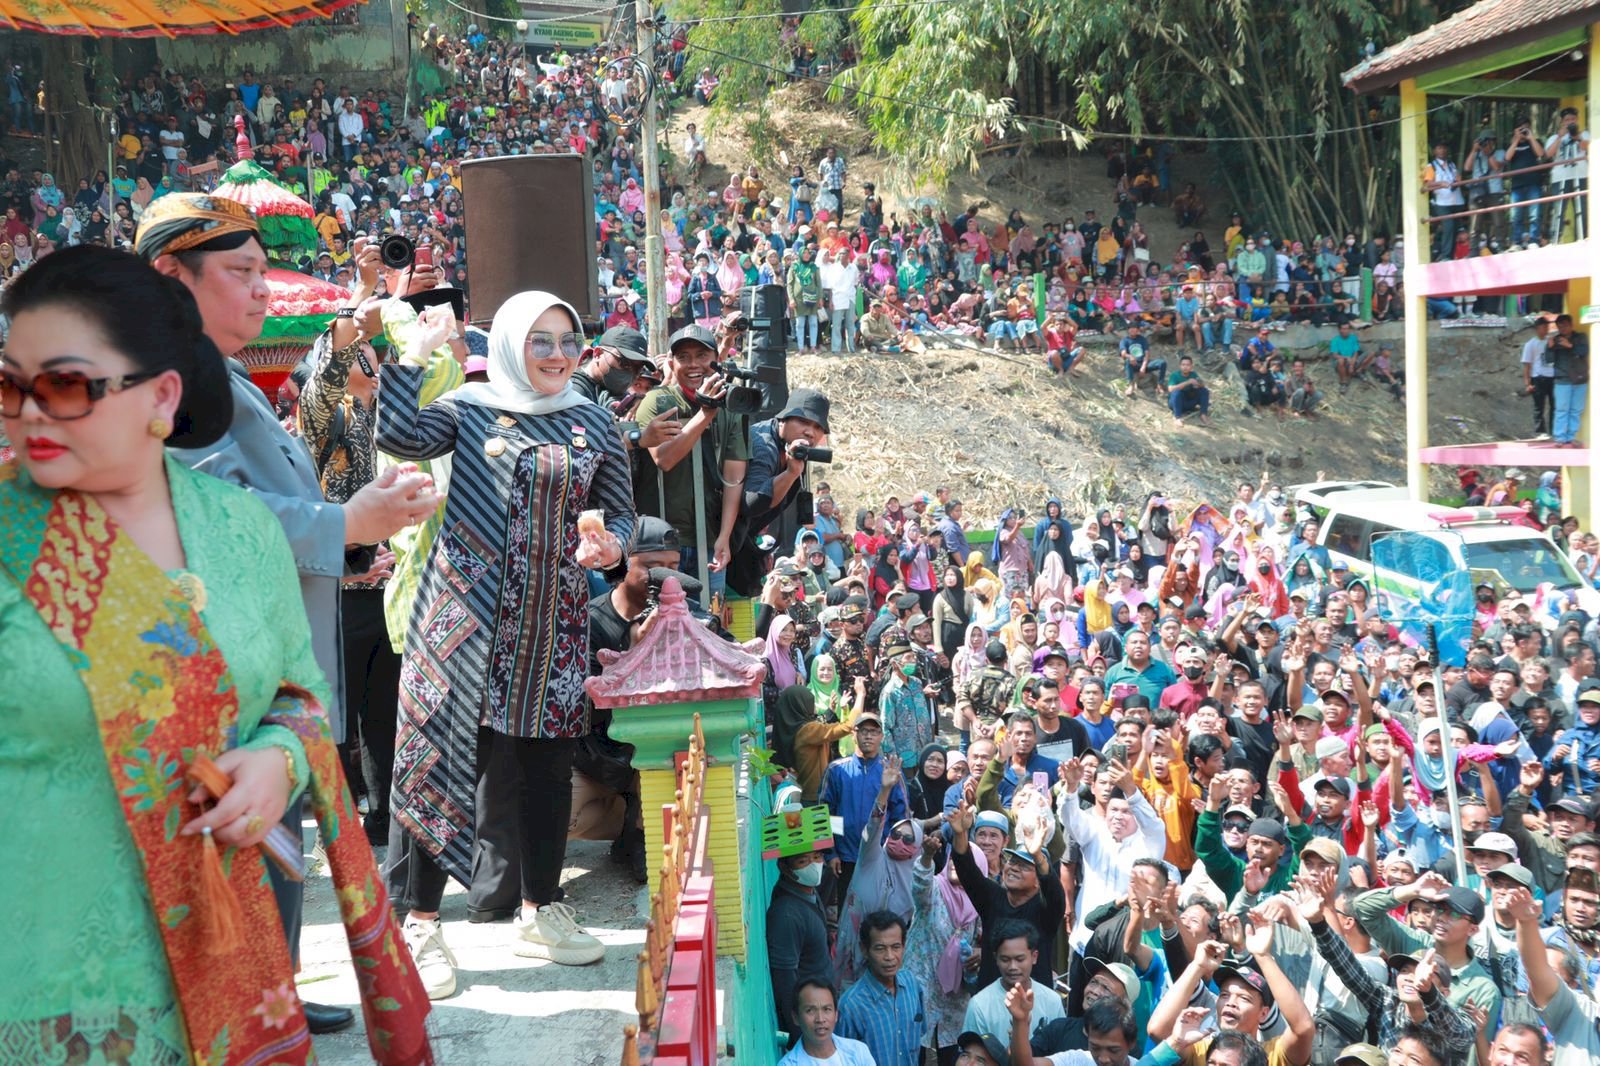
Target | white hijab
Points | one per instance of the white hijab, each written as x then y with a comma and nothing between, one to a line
508,387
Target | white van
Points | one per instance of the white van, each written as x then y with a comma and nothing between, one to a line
1490,542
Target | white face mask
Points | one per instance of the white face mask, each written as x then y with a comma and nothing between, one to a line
810,876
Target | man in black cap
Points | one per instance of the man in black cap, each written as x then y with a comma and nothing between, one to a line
664,483
608,374
617,620
777,470
850,650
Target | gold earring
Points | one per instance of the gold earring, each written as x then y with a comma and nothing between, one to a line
159,428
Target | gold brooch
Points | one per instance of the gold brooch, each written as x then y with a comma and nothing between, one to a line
494,447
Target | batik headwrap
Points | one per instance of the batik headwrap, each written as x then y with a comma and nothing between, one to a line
182,221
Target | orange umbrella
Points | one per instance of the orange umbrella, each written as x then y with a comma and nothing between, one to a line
160,18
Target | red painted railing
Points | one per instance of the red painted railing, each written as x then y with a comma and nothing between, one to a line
676,995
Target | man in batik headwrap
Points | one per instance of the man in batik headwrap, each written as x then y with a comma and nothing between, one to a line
213,246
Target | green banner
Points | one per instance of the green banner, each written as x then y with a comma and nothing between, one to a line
573,34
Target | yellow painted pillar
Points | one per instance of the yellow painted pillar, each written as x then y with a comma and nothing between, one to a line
1580,486
658,788
1413,201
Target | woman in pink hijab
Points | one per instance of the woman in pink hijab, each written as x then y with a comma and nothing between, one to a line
632,198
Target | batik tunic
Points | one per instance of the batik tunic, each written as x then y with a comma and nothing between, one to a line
499,631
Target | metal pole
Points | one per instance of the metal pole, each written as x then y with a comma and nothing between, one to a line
1448,753
111,180
655,268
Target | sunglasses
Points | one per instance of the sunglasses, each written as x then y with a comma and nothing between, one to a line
904,838
1236,825
64,394
543,345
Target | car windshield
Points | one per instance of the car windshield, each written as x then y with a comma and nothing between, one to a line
1524,564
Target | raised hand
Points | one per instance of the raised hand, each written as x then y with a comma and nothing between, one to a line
1217,792
1522,907
1507,748
1071,773
1276,909
1190,1029
1428,965
932,844
1349,663
1258,941
1292,662
1433,887
1019,1001
891,772
1283,729
1255,878
961,819
1280,798
1124,776
1308,897
1231,930
1369,814
1030,830
1210,956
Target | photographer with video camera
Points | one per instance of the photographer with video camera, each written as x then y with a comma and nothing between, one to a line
664,483
615,372
780,448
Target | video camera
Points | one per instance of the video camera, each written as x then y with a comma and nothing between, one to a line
740,399
810,453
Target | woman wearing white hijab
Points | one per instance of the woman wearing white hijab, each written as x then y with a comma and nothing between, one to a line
498,646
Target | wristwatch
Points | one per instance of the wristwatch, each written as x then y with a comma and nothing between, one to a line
633,436
345,312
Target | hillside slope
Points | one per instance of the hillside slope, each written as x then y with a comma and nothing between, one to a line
1000,430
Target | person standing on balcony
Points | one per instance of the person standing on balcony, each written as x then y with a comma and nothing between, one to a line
1568,147
1539,378
1569,351
1523,152
1439,177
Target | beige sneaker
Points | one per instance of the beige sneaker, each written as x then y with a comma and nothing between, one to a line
436,965
553,933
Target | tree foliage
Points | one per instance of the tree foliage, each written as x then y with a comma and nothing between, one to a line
1256,83
1257,80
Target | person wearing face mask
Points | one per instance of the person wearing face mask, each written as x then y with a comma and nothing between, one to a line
1250,267
797,932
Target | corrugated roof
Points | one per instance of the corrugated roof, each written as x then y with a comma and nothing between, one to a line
1485,27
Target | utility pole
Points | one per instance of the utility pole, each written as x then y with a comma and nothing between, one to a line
655,275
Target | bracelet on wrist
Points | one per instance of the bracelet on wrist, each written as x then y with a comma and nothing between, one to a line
288,769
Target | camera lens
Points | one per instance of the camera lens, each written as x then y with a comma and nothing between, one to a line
397,251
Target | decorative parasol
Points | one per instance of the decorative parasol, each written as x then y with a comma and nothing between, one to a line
298,310
285,219
164,18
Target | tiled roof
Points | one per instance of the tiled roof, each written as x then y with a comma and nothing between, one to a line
1485,27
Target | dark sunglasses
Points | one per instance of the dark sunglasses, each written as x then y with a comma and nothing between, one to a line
64,394
904,838
1236,824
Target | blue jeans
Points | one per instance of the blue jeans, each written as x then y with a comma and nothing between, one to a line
1209,330
1570,399
1185,401
689,563
844,327
1525,220
800,324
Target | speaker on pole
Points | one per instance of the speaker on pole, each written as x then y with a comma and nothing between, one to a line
767,308
530,225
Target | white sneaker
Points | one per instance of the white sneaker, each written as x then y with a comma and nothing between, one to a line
553,933
436,965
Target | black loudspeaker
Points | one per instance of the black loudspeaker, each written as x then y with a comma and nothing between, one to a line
767,307
530,225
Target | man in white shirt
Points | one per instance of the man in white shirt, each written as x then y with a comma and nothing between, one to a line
1569,148
840,280
694,149
351,129
1539,378
1016,953
1131,829
1440,178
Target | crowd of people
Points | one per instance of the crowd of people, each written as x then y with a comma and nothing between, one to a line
1142,786
1157,786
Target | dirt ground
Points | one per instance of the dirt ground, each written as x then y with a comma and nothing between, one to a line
1000,430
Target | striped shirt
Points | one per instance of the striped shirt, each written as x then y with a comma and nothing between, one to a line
891,1024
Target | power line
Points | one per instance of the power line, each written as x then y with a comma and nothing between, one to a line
584,13
815,11
1065,130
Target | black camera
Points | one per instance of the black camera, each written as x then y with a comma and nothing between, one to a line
397,251
810,453
733,371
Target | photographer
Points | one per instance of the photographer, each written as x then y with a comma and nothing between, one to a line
1483,165
610,374
1569,149
664,480
1524,151
779,449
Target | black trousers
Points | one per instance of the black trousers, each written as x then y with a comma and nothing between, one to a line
1544,404
530,810
371,700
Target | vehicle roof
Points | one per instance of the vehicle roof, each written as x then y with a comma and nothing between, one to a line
1345,493
1418,515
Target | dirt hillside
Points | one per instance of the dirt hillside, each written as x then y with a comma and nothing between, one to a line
1000,430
